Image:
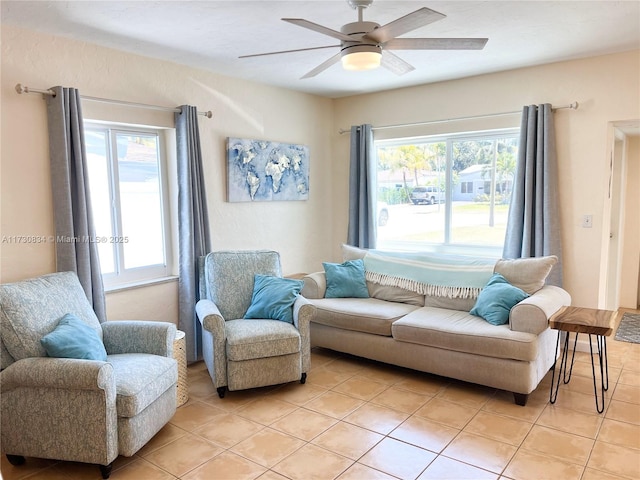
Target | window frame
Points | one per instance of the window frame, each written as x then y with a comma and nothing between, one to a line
449,138
123,277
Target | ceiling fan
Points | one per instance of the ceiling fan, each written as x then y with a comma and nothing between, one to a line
367,45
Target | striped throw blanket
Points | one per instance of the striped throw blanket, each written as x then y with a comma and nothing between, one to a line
429,274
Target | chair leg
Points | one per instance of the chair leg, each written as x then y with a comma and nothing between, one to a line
304,378
105,470
221,391
16,460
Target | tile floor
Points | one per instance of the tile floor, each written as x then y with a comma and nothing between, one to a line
360,420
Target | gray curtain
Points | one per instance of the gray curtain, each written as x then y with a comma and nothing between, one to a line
362,189
193,225
533,227
71,199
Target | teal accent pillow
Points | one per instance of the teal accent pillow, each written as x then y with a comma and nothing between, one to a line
496,300
345,279
73,338
273,298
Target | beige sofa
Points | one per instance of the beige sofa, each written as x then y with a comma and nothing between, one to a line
438,334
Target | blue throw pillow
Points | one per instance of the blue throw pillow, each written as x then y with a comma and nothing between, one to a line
273,298
73,338
496,300
345,279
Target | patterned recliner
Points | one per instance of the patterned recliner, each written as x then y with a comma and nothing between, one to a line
79,410
240,353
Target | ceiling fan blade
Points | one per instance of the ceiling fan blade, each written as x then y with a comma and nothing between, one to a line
402,25
323,66
288,51
319,28
436,44
395,64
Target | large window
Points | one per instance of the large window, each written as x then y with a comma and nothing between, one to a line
446,193
128,195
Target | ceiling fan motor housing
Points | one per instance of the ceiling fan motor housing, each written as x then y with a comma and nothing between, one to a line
358,30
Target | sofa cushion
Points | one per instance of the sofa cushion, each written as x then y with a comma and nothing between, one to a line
463,332
249,339
345,279
32,308
368,315
384,292
395,294
349,252
457,303
529,274
140,379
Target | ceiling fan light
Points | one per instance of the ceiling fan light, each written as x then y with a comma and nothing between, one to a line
361,57
361,61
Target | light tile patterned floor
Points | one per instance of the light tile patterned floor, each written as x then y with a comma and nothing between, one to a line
356,419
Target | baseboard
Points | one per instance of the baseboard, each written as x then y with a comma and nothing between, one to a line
582,345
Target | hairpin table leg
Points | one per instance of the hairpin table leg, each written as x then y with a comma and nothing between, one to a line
601,342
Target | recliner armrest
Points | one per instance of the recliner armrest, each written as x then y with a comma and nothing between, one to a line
303,313
139,336
59,373
210,317
533,313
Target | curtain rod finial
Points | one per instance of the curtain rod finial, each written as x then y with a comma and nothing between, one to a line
574,105
21,88
209,114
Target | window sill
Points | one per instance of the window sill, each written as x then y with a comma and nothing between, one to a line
141,284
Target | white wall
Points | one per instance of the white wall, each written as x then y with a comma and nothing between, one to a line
299,230
607,88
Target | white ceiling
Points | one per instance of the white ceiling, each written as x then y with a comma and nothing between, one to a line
212,34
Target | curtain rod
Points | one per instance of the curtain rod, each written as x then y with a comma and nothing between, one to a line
23,89
572,106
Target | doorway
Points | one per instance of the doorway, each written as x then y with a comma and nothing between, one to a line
621,232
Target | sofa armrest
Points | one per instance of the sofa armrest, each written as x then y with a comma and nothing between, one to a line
138,336
315,285
532,314
58,373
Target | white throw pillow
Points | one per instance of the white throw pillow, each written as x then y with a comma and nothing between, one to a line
528,274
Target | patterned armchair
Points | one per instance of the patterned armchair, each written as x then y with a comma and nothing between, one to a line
79,410
241,353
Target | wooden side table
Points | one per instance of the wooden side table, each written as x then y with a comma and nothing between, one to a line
180,355
592,322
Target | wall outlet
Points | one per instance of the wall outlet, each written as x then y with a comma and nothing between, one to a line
587,221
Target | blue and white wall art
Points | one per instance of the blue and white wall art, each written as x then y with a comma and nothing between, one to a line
261,171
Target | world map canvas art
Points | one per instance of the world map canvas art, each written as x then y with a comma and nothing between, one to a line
260,170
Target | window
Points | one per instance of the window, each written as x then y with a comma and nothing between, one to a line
447,193
466,187
126,170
